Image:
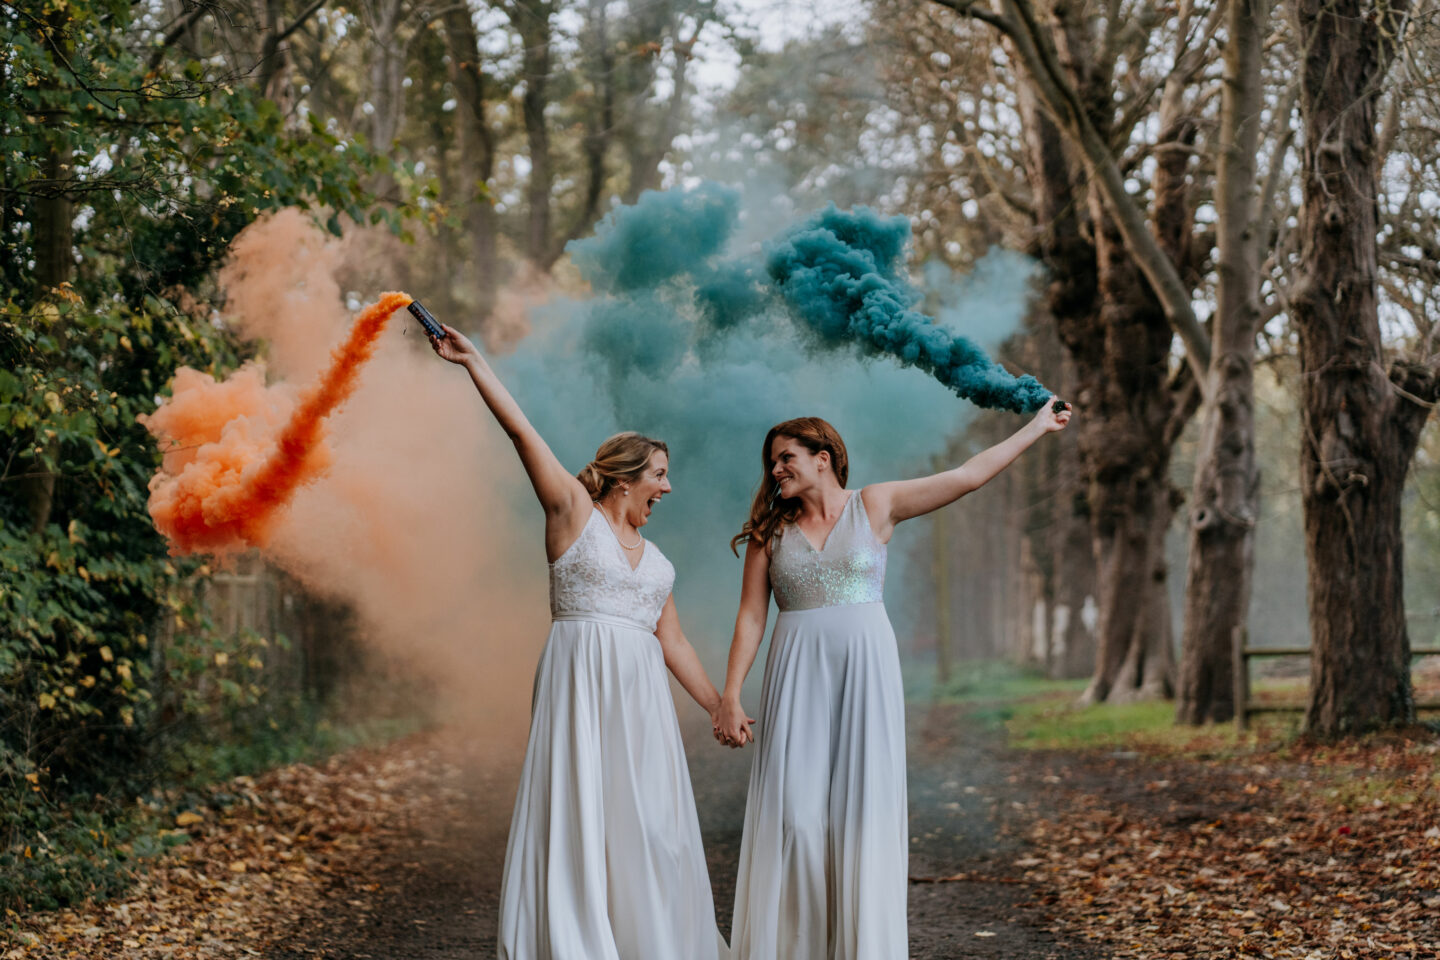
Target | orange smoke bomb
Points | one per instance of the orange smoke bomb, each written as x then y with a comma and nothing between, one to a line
241,450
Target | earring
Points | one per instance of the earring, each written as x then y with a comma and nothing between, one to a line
626,491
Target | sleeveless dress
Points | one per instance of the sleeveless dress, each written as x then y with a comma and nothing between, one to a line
824,859
604,860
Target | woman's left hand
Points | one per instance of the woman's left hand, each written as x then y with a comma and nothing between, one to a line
1049,420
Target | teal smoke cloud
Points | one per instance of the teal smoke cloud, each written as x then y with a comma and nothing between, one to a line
839,277
688,338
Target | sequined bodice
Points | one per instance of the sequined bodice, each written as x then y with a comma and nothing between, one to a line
849,567
593,576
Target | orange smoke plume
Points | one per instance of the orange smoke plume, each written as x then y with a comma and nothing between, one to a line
237,451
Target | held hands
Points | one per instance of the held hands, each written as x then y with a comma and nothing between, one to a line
1048,420
731,725
456,347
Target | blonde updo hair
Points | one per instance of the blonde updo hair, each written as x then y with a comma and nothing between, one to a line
620,459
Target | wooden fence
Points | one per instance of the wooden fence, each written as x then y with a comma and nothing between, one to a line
1244,653
254,596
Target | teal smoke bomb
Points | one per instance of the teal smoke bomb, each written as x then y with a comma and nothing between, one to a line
841,275
838,277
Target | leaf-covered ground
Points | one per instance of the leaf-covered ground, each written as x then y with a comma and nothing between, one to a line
1283,851
263,853
1296,852
395,854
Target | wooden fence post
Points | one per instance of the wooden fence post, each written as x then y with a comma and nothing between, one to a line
1242,678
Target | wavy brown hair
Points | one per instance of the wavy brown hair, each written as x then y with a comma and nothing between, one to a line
770,511
620,459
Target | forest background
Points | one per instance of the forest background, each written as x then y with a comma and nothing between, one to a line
1227,213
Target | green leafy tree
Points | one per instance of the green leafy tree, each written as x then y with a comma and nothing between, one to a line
124,179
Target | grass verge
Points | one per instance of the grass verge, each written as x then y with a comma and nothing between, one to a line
1034,713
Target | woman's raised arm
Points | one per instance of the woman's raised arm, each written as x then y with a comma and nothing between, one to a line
889,503
560,494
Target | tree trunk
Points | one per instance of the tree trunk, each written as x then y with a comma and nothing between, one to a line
1131,514
1010,616
1130,408
1048,479
1060,534
532,20
1224,503
477,155
647,152
1132,413
1359,434
54,223
54,211
386,81
446,240
940,570
1073,618
599,123
272,68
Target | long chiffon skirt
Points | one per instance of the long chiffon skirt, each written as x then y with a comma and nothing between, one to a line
604,860
824,859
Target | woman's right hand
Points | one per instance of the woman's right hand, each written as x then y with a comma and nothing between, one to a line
455,347
732,725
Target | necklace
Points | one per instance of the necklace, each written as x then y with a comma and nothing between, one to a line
627,546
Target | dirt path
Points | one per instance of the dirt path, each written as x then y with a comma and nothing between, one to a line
430,890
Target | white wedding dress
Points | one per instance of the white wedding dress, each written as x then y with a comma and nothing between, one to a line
604,860
823,862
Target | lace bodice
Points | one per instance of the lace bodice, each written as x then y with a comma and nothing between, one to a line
848,568
593,576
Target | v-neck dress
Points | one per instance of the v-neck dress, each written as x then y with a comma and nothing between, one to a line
824,858
604,860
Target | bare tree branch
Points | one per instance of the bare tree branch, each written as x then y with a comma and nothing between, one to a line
1285,137
188,20
1032,43
305,14
971,9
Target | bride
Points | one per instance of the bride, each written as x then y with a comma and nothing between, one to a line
604,860
823,856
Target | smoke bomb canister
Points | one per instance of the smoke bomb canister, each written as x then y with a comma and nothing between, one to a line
427,320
